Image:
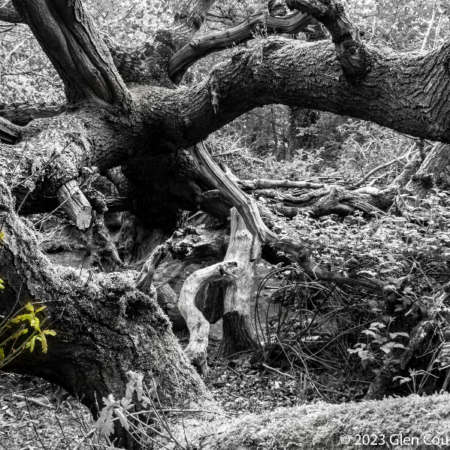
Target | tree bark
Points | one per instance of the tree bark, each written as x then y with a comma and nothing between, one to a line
105,327
435,168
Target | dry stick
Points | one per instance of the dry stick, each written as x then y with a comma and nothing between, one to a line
365,178
34,426
62,431
278,372
430,27
86,436
32,400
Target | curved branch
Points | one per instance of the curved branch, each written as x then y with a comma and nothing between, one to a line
405,92
9,133
248,208
352,54
65,33
243,32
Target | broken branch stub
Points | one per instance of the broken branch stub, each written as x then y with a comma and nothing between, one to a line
197,324
75,204
237,271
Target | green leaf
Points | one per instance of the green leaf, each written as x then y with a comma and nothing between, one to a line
43,340
31,344
22,318
50,332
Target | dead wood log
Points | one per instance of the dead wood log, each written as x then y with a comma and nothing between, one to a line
237,270
75,204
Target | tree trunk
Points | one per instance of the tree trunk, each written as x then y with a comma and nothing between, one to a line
245,249
105,326
434,169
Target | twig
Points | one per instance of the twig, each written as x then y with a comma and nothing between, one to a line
62,431
278,372
365,178
34,426
32,400
190,411
86,436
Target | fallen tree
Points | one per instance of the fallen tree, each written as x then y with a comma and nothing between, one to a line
126,121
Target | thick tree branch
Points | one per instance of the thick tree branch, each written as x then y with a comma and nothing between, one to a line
9,133
243,32
407,93
66,34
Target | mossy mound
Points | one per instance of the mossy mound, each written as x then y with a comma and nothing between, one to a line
395,423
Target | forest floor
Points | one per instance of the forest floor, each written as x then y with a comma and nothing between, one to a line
234,383
30,418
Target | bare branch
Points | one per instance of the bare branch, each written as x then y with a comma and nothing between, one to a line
262,183
248,208
23,113
9,133
243,32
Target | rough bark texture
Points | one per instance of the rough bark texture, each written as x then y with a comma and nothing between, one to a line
67,35
433,170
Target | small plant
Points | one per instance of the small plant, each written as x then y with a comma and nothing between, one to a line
13,329
140,413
